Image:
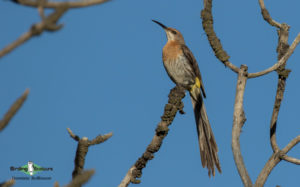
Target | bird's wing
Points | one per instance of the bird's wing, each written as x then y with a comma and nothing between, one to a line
191,59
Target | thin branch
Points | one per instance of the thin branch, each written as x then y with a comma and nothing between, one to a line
82,149
266,15
215,43
287,148
101,138
283,46
75,137
174,104
238,122
13,110
41,8
281,62
74,4
48,24
292,144
290,159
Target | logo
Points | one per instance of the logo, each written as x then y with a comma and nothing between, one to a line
31,169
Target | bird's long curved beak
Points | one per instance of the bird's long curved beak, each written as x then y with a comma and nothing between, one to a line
162,25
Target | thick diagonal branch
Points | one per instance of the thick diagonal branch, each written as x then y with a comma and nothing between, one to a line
161,131
238,122
13,110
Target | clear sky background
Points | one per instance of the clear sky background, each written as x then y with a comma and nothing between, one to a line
103,73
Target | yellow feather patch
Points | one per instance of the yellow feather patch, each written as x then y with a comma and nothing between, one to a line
196,85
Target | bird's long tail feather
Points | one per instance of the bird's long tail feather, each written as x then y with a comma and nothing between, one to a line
207,142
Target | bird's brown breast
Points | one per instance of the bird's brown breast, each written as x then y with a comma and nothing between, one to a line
171,51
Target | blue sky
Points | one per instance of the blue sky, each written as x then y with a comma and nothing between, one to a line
103,73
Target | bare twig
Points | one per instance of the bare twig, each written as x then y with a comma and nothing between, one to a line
238,122
8,183
49,4
13,110
41,8
82,149
266,15
174,105
75,137
287,148
281,62
292,144
207,24
48,24
290,159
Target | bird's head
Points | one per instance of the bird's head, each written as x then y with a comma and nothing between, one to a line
172,34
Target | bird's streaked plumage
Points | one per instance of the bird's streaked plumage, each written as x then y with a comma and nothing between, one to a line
183,70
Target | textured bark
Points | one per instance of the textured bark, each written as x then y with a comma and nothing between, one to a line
284,52
82,149
238,122
174,104
13,110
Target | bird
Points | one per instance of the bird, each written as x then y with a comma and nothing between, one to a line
182,68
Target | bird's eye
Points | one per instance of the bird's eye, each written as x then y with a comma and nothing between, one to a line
174,32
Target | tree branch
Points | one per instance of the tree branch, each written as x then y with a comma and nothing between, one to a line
207,24
266,15
49,4
238,122
282,48
290,159
161,131
8,183
48,24
281,62
13,110
215,43
274,160
80,179
284,52
82,149
287,148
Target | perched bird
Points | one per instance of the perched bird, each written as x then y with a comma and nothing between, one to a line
183,70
